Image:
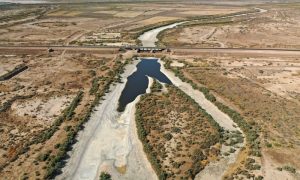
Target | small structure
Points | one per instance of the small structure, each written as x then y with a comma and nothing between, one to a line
149,49
50,50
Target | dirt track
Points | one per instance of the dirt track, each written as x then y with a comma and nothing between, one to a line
175,50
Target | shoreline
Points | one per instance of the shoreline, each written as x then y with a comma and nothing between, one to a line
107,142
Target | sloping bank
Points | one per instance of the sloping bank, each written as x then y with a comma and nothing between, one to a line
109,142
216,169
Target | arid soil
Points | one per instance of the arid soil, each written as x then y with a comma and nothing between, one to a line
264,89
48,97
63,24
275,28
33,101
177,145
109,142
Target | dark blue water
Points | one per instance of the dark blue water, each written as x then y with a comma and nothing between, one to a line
137,83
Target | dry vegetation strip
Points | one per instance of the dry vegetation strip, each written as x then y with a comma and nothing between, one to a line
179,137
169,37
56,163
17,14
266,119
253,143
18,69
42,153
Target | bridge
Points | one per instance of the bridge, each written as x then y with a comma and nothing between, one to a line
111,49
141,49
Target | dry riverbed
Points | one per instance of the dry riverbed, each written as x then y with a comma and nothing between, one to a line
109,142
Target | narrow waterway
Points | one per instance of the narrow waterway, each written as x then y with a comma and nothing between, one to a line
109,140
137,83
149,38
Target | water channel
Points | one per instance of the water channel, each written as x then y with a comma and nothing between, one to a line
149,38
137,82
109,141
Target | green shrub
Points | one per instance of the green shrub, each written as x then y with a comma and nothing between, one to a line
156,86
14,72
95,86
289,169
168,136
56,163
250,131
105,176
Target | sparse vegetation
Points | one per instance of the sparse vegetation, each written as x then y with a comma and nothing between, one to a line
95,86
289,169
57,163
6,105
251,132
67,114
160,122
156,86
18,69
49,89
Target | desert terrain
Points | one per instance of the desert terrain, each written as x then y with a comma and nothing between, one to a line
181,144
256,88
275,27
231,110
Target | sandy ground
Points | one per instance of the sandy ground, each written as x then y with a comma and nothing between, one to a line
44,110
222,119
270,171
212,11
157,19
177,64
214,170
109,142
204,34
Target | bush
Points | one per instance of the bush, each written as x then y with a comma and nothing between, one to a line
168,136
14,72
105,176
73,105
259,178
68,113
249,130
289,169
43,157
176,130
6,105
56,163
156,86
95,86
